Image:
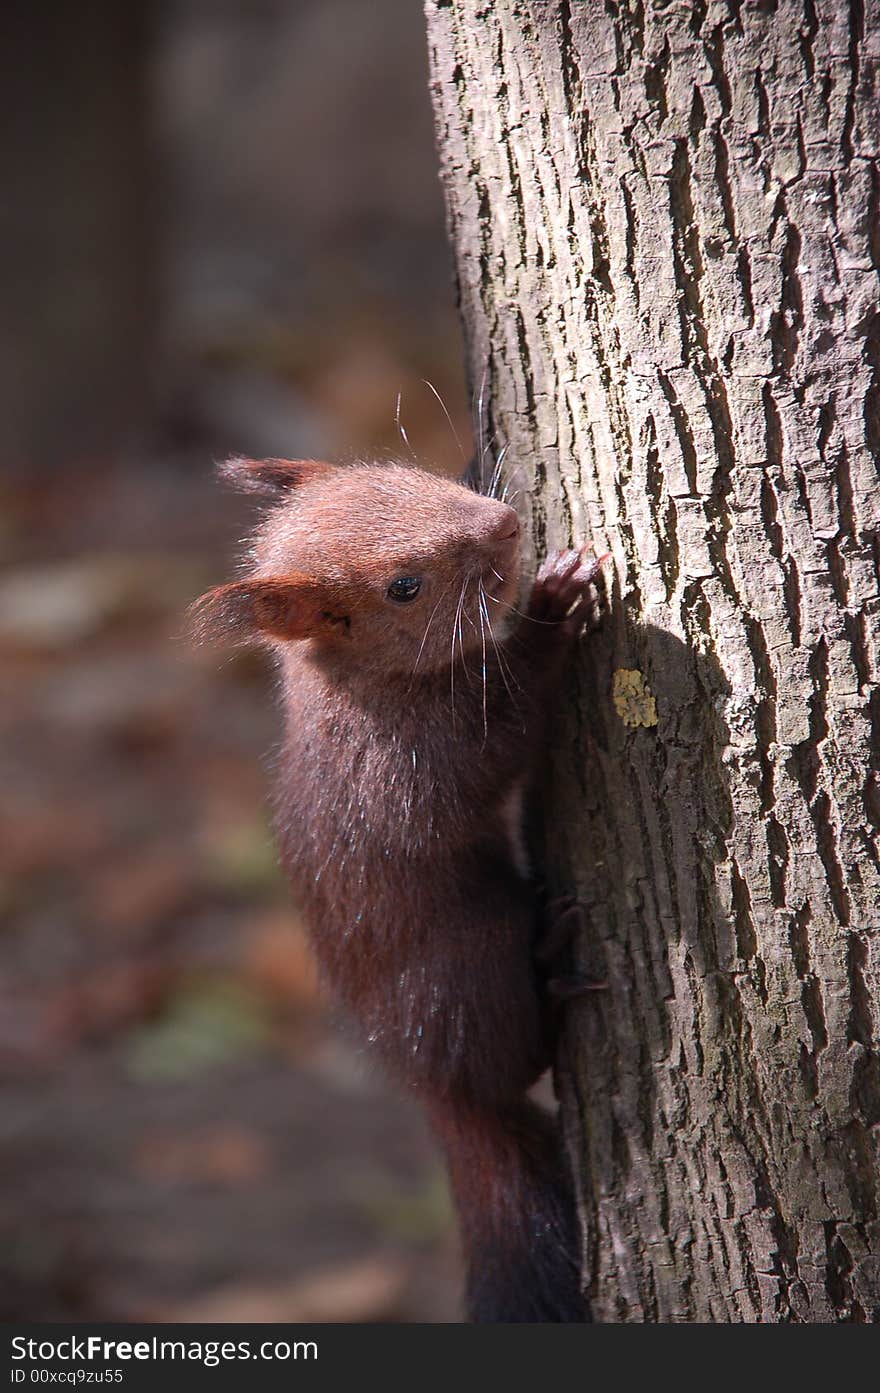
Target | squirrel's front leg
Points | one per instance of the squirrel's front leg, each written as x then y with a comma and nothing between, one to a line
568,595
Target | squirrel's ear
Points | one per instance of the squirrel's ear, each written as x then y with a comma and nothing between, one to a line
272,476
287,607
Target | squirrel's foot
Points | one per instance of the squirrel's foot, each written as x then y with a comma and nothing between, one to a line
574,984
569,590
563,917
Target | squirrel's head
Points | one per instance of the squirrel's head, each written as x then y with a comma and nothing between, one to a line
387,562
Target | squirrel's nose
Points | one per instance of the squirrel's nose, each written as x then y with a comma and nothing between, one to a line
508,528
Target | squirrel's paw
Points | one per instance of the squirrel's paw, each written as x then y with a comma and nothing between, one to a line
569,589
563,920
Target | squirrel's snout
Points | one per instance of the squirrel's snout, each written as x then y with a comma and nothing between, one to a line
507,528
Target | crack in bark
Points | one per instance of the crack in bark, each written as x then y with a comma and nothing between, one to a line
785,323
856,36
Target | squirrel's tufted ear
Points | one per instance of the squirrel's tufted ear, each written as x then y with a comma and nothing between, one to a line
272,477
287,607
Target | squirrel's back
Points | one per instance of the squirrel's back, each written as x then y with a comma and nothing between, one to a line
403,878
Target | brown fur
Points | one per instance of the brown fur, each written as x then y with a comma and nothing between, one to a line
408,730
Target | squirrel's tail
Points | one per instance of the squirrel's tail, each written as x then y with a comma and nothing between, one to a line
516,1211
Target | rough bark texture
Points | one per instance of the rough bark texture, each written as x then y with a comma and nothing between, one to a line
666,220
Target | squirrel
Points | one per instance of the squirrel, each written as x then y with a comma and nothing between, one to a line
414,696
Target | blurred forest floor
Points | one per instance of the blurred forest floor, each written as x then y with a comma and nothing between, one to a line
185,1133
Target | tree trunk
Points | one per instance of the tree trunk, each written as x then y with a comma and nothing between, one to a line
77,244
666,221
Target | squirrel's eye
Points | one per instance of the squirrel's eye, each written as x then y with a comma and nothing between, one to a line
404,589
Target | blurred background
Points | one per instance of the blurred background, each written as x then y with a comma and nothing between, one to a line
221,232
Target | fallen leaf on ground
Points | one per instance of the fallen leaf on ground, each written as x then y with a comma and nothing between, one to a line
370,1289
64,602
228,1155
277,959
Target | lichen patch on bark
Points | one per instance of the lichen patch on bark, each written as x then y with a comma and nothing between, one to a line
633,699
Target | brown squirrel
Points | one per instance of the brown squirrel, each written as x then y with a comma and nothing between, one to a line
414,698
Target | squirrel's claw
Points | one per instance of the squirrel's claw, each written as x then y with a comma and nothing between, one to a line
569,589
574,984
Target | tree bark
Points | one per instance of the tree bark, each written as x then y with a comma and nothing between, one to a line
666,223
